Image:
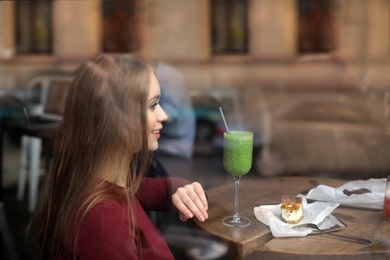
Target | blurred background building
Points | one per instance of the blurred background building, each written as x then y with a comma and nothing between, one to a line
295,61
269,54
216,43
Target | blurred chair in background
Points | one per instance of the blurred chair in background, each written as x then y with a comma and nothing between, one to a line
46,100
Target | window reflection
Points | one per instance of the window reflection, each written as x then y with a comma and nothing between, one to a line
229,26
318,26
122,26
33,21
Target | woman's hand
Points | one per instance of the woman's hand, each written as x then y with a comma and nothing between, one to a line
191,201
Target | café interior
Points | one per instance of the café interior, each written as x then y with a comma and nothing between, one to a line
308,78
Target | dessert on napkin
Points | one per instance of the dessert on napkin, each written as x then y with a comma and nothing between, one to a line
292,209
317,212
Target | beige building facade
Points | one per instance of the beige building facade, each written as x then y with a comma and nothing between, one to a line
179,32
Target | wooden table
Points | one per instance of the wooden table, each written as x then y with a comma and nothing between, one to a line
257,242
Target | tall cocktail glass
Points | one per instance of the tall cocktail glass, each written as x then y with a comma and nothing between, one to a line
237,161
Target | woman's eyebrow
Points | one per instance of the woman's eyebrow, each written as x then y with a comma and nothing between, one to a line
156,97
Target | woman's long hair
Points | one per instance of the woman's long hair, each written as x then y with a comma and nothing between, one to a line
102,136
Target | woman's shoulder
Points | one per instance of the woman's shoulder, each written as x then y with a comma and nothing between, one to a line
106,211
111,204
105,205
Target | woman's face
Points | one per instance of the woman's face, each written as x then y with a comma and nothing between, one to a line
155,115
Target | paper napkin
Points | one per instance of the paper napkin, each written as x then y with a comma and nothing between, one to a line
372,200
316,212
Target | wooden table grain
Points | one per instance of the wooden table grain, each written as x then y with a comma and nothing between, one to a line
257,242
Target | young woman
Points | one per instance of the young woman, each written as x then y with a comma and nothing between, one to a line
93,203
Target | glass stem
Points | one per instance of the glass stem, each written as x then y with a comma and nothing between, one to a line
236,216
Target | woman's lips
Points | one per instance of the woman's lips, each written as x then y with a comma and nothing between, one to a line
156,133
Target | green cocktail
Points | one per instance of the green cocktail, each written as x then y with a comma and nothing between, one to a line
237,161
237,152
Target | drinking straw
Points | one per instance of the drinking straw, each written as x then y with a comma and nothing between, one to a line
224,120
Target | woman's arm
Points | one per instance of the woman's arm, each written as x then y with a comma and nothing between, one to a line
163,193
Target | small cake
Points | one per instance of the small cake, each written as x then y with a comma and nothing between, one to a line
292,209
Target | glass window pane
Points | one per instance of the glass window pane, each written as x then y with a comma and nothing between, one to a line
33,27
318,26
122,26
229,26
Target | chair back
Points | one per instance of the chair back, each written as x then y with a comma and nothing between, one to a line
47,95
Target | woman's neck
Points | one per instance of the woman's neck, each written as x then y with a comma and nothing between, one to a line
115,176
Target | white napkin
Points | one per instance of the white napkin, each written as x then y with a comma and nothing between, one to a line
373,200
316,213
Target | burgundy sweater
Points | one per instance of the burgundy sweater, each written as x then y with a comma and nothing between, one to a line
104,233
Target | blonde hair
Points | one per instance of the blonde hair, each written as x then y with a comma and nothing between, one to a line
103,133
